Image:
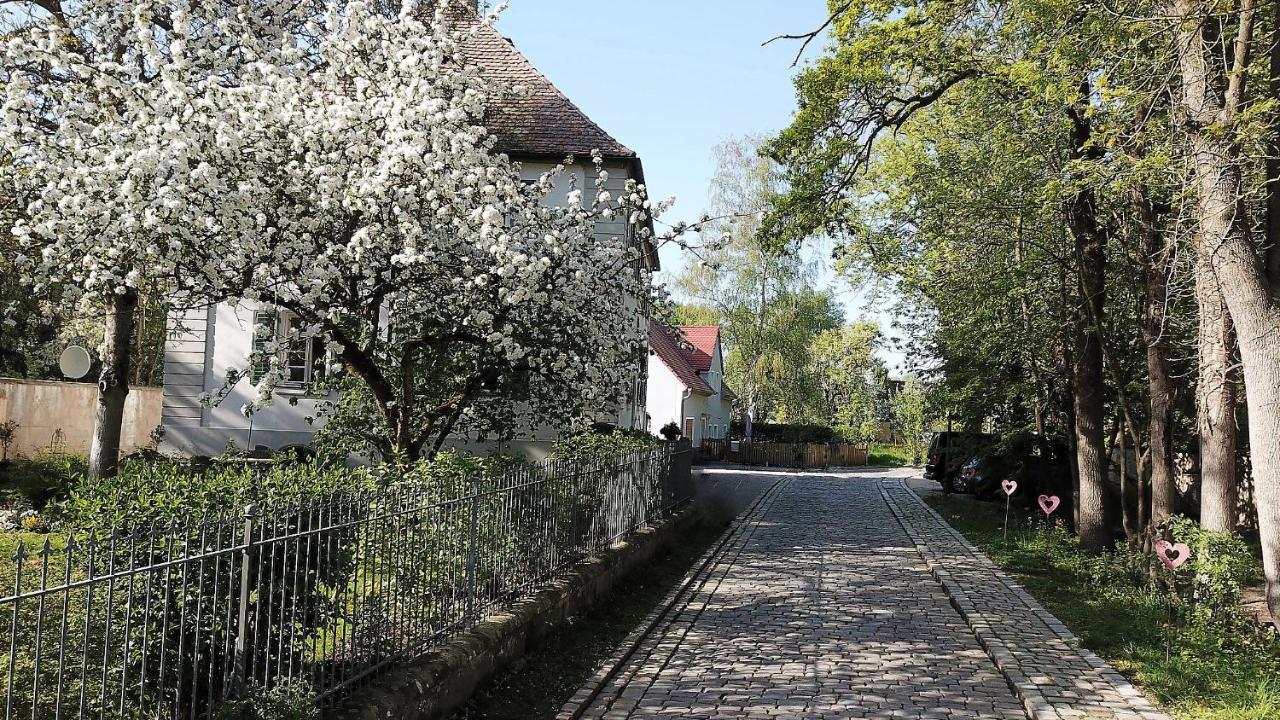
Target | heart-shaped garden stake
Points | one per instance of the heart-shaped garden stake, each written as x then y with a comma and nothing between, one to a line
1173,555
1010,486
1049,503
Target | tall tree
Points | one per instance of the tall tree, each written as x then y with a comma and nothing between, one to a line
762,294
1213,45
890,68
852,380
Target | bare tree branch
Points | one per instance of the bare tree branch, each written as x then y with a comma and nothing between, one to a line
808,38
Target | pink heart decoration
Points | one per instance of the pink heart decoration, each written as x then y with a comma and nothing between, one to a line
1173,556
1010,486
1049,503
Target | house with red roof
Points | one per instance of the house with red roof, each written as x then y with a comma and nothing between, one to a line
686,381
539,128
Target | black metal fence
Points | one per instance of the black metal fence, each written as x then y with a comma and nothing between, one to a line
169,621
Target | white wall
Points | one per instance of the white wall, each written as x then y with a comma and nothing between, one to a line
665,394
665,401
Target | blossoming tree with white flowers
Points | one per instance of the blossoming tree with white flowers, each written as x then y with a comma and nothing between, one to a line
447,288
329,161
135,137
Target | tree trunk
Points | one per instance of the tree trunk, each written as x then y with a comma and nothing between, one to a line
1128,495
113,385
1216,406
1156,257
1087,373
1213,97
1257,318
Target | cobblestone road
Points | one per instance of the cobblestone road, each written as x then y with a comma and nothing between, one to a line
834,596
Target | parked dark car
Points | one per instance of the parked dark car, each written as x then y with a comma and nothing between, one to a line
1038,464
948,453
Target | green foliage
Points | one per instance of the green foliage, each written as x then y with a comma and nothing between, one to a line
1036,463
1181,635
452,472
286,701
597,445
693,314
671,431
1211,585
853,382
8,431
891,456
762,297
353,425
911,416
167,490
45,477
933,142
785,433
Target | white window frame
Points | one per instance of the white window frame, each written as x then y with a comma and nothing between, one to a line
310,340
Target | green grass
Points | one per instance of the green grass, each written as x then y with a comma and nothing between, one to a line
889,456
539,684
1190,675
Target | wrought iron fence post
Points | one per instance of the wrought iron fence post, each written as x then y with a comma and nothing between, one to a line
242,609
471,550
575,511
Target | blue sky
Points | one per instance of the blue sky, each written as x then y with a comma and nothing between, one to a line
671,79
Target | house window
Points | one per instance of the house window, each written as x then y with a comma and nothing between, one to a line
688,428
303,355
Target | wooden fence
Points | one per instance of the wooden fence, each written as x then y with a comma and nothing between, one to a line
790,455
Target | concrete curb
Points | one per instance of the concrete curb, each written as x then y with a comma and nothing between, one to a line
1034,702
443,679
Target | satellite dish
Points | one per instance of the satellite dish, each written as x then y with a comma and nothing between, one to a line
75,362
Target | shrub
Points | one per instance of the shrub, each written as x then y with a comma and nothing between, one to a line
599,445
292,700
155,511
1211,584
167,490
453,472
8,431
671,431
45,477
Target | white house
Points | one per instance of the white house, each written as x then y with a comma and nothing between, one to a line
538,130
686,382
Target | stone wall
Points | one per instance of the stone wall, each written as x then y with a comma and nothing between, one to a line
61,415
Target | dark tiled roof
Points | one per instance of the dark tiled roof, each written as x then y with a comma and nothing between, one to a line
665,341
541,122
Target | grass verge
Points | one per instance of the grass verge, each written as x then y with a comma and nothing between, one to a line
889,456
540,683
1191,674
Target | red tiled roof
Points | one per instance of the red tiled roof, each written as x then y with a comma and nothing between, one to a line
704,339
665,343
541,122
